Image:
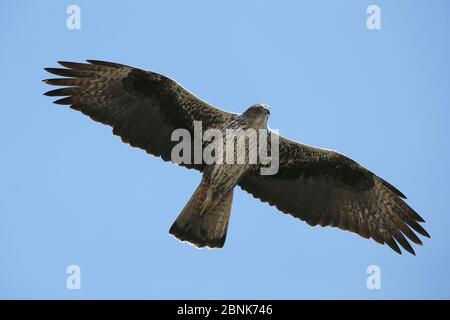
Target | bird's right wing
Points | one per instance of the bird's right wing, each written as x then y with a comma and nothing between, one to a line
143,107
324,187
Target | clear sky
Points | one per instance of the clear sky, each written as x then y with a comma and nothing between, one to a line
72,194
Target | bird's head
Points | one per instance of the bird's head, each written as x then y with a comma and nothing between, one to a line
258,114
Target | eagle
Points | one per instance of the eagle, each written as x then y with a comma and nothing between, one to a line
318,186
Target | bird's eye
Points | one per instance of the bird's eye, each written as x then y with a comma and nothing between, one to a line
255,110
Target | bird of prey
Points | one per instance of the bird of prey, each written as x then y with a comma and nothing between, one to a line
318,186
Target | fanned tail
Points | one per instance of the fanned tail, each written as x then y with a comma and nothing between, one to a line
201,224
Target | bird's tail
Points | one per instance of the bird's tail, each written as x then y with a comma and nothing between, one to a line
202,223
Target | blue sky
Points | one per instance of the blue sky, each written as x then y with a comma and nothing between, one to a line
72,194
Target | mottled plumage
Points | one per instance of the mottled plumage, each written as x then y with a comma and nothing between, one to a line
318,186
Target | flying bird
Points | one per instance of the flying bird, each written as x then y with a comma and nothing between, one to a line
318,186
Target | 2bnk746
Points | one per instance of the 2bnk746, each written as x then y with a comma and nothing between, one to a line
244,309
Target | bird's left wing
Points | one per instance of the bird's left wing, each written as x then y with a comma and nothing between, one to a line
324,187
143,107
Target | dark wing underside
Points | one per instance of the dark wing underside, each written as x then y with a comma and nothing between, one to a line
325,188
142,107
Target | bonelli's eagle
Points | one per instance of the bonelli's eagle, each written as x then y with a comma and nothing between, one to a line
318,186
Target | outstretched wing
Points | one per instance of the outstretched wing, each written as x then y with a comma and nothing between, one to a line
327,188
142,107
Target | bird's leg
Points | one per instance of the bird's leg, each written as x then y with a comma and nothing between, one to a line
207,202
216,201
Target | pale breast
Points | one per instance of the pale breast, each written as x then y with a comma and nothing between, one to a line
235,159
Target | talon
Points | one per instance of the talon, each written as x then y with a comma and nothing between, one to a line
206,203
